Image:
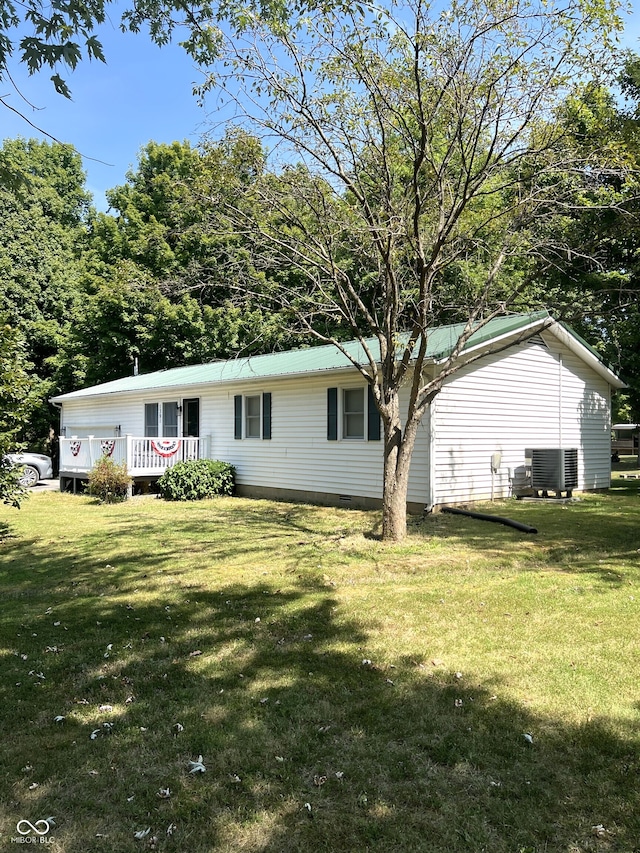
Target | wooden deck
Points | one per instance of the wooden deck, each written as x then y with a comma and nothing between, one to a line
145,458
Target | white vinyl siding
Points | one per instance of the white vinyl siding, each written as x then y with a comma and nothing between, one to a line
298,456
586,421
526,397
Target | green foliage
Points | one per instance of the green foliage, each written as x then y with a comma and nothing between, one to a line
16,385
158,284
169,219
16,404
109,481
41,271
594,276
61,35
11,492
198,479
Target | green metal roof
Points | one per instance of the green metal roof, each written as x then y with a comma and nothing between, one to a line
441,341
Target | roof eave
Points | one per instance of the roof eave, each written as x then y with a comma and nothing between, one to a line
70,398
560,332
572,343
522,333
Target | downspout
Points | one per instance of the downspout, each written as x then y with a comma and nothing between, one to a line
560,368
431,491
610,431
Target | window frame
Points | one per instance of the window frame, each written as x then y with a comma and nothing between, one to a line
337,414
252,419
160,407
150,426
346,414
175,425
262,418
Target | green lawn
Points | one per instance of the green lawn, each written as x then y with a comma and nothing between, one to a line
344,694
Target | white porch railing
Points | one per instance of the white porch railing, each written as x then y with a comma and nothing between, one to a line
144,457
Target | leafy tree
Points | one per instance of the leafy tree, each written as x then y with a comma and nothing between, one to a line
127,318
158,215
432,174
41,241
617,282
594,271
16,403
155,212
163,241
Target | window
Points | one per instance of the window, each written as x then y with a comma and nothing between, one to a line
151,420
353,413
252,416
170,420
161,419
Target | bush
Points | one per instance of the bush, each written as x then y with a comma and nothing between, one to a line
11,492
109,481
200,478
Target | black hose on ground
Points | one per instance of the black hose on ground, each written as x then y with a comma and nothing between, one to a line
525,528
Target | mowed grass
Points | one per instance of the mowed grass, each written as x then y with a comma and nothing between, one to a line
344,694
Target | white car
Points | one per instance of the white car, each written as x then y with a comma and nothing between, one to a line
35,467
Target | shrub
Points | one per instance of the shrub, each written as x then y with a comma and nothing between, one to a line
11,492
200,478
109,481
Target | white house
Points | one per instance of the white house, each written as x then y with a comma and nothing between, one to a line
301,424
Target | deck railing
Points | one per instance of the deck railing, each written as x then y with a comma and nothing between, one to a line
144,457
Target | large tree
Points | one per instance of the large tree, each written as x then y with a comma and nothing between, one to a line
162,233
595,271
431,160
41,270
16,403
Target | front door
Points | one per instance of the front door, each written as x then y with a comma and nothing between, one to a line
191,418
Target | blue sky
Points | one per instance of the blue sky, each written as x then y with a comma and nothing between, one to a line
143,93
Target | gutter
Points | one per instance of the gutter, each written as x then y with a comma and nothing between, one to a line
70,398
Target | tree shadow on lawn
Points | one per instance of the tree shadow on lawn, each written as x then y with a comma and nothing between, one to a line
99,563
307,744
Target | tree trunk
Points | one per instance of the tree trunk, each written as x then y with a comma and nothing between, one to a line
398,448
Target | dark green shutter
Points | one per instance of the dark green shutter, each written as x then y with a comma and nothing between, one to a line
332,414
266,415
373,417
237,416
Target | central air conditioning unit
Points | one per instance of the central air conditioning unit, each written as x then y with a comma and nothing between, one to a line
554,469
